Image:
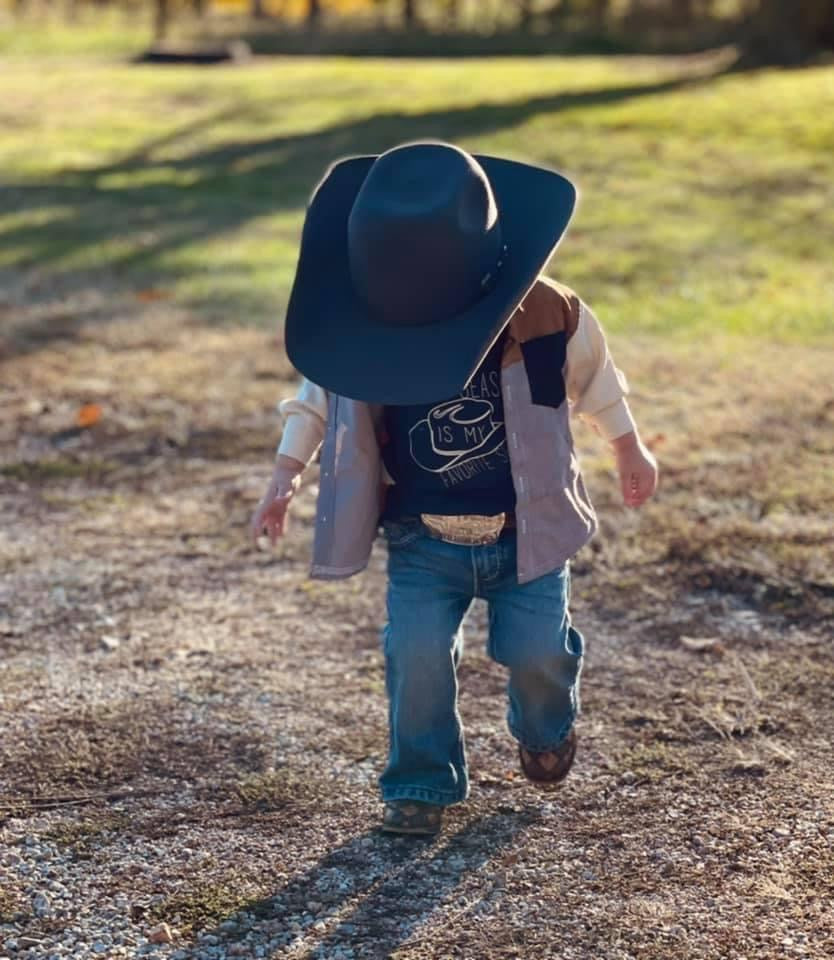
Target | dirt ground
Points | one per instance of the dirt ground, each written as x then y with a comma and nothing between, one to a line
193,728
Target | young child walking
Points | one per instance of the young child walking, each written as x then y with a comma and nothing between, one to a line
441,371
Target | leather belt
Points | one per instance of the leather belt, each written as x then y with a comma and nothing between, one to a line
467,530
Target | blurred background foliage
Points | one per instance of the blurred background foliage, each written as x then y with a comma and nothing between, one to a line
706,177
785,31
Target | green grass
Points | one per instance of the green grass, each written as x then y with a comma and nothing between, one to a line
707,198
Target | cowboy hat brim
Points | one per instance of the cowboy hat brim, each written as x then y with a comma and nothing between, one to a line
333,339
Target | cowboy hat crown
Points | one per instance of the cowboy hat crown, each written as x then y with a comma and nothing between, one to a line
412,262
424,236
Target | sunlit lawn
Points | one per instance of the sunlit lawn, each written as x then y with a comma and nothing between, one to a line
707,198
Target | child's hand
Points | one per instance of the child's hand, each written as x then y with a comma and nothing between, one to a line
270,516
637,468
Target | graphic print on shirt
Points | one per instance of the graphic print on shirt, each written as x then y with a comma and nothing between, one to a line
460,438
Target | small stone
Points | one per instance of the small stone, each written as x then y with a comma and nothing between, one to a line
109,642
161,934
11,945
41,904
59,596
320,925
99,947
313,906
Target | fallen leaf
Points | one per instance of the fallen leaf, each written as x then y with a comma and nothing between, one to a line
88,415
161,934
151,294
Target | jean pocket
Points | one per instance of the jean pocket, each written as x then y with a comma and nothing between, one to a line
399,533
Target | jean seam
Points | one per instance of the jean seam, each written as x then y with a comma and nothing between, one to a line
490,645
428,794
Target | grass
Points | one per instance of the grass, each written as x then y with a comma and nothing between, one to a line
80,834
706,196
205,904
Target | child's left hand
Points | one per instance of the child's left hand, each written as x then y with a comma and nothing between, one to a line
637,468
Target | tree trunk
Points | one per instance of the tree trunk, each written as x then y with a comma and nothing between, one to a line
410,13
160,20
599,14
313,14
788,31
256,10
525,14
453,12
379,9
687,10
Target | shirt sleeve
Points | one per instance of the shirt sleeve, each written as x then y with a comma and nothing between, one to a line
305,417
596,388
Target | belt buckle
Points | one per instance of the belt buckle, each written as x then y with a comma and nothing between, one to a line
467,530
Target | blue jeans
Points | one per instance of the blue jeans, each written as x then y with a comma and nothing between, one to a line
431,585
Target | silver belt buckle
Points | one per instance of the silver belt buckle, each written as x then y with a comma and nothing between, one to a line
466,531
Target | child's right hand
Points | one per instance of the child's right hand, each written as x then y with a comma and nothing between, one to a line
270,516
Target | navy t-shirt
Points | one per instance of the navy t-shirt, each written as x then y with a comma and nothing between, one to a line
451,457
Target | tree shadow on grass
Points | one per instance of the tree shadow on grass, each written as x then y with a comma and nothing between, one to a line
132,217
378,888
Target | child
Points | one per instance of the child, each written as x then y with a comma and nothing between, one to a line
439,370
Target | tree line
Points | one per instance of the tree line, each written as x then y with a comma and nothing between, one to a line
777,30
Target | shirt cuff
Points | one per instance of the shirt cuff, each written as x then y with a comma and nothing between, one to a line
298,441
614,421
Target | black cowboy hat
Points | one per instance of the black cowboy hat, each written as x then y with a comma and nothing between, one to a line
411,264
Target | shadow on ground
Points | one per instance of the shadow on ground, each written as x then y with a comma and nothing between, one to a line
376,889
227,186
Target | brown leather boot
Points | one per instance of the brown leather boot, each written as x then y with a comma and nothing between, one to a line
549,768
412,816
